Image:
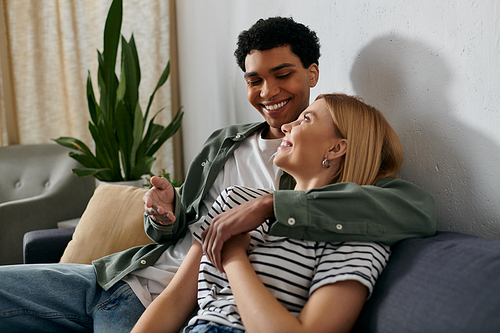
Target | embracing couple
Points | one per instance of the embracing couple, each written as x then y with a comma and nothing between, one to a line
283,225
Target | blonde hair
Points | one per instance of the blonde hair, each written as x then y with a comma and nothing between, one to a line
373,147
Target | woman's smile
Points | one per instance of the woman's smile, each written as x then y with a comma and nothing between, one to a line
285,143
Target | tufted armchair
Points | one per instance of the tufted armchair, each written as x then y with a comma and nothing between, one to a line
37,190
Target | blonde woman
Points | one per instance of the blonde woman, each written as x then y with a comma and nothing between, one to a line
277,284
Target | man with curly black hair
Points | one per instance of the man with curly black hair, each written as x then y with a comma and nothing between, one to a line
285,31
298,48
279,58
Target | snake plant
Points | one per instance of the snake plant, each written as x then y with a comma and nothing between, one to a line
125,141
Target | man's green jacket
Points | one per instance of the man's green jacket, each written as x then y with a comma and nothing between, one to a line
389,211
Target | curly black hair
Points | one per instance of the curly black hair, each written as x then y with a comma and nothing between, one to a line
275,32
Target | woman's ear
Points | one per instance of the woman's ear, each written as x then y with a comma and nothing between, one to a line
338,150
313,73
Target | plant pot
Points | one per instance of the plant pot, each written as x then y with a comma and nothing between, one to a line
135,183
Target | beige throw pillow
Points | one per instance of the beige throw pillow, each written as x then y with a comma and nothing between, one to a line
112,222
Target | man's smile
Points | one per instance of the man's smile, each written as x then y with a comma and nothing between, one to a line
274,107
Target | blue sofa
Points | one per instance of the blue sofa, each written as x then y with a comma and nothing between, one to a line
446,283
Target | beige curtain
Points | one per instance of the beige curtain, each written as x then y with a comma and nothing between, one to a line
47,48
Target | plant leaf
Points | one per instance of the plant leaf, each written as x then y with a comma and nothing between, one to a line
85,160
133,48
129,72
167,132
153,133
101,152
73,143
163,78
122,87
91,101
101,84
125,137
137,134
85,172
142,167
106,146
112,30
101,174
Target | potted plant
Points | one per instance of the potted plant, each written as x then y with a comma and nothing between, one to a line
124,141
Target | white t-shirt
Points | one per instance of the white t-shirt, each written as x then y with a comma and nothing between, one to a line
290,269
250,165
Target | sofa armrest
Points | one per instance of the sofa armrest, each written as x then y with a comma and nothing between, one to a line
46,245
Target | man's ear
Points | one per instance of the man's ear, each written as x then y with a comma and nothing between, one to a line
338,150
313,73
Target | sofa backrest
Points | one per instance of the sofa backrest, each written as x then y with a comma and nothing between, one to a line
446,283
37,190
30,170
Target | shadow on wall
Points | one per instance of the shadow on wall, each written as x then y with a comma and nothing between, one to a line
408,81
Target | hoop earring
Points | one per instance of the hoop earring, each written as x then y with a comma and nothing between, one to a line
326,163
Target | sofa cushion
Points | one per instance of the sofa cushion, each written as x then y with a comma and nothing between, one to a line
446,283
112,222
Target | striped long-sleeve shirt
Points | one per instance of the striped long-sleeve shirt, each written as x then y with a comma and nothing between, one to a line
290,269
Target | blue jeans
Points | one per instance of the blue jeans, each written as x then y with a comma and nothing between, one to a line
211,328
63,298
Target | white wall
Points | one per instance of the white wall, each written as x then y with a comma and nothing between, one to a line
432,67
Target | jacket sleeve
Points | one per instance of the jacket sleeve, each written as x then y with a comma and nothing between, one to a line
200,176
163,233
389,211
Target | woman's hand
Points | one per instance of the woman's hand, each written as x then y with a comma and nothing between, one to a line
233,246
331,308
159,201
241,219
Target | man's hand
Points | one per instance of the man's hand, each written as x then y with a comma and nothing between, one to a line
241,219
159,201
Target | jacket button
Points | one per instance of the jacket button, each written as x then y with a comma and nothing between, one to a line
203,163
339,226
143,262
238,136
291,221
